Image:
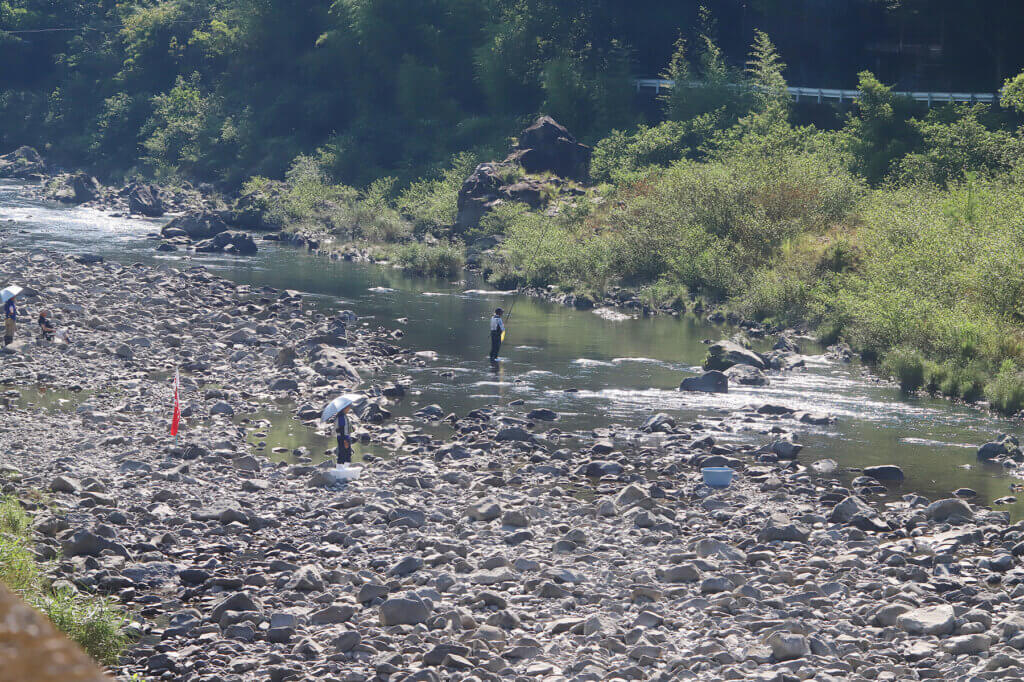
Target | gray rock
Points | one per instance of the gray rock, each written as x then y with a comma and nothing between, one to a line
306,579
681,573
65,484
332,615
970,645
486,509
780,528
725,354
943,510
928,620
885,472
709,382
787,646
404,611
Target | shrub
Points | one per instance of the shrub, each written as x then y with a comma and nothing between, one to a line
907,367
440,260
1006,391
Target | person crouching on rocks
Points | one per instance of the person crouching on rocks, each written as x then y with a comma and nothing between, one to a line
10,320
47,330
344,436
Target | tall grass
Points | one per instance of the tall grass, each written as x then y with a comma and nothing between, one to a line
92,622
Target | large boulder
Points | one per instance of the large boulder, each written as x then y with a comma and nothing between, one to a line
889,473
196,224
229,242
21,163
725,354
76,188
332,363
547,146
144,199
709,382
529,192
477,196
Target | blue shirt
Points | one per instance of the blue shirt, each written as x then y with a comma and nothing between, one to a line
10,310
342,425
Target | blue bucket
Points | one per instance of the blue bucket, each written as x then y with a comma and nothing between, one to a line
717,477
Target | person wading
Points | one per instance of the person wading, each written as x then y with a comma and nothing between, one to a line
10,320
497,329
344,436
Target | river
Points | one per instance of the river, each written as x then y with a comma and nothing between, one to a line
597,371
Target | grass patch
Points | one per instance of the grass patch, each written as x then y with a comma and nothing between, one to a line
907,367
431,260
1006,391
94,623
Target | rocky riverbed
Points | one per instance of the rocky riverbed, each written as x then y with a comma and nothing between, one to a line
487,545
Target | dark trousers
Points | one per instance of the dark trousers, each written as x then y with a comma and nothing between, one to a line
344,450
495,343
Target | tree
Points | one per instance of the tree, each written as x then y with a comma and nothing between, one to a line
881,131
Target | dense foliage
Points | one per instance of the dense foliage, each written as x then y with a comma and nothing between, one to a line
898,229
221,90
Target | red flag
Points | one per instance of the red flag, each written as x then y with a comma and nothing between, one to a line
177,407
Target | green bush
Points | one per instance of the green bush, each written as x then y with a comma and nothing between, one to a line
907,367
439,260
1005,392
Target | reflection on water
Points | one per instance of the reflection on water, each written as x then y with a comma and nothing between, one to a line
596,370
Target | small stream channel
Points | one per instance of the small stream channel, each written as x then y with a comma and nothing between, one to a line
596,371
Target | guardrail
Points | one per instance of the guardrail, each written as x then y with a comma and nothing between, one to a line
822,94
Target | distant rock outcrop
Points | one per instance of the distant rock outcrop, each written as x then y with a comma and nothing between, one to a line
21,163
548,146
544,147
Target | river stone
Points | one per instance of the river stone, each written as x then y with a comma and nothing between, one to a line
715,548
65,484
239,601
658,423
486,509
848,508
725,354
513,433
782,529
967,644
332,615
928,620
681,573
942,510
786,449
346,641
284,384
787,646
542,414
306,579
709,382
885,472
599,468
888,615
404,611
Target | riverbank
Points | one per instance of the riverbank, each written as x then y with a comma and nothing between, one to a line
489,544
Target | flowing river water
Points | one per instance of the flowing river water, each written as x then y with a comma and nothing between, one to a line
598,371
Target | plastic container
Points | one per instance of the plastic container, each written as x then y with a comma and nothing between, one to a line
717,477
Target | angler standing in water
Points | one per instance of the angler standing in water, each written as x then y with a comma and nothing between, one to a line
497,333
